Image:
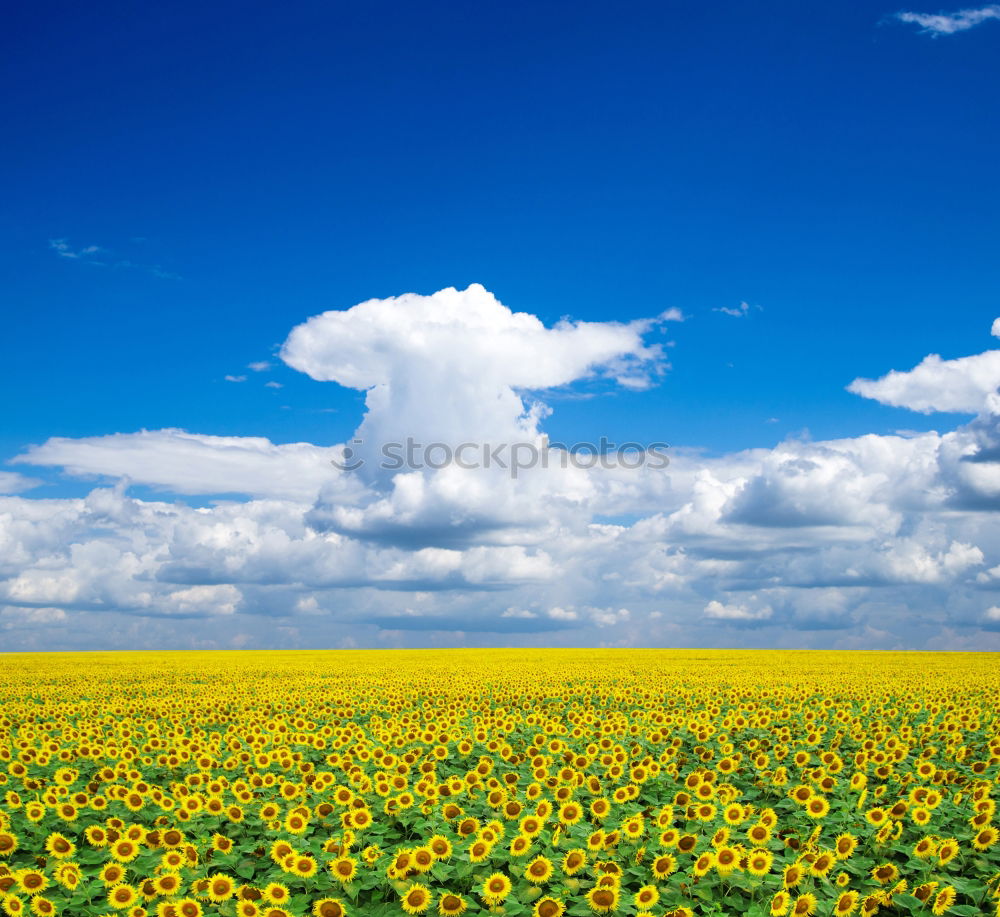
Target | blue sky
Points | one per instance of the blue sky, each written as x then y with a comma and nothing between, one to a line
186,185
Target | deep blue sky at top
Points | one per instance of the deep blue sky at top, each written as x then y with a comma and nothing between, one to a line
244,166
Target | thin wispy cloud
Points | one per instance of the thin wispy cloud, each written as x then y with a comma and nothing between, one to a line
63,249
739,311
950,23
103,257
230,378
259,366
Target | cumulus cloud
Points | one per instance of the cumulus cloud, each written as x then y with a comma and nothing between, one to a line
967,385
951,23
717,611
455,366
804,543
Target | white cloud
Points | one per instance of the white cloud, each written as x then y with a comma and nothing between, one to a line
562,614
198,601
717,611
230,378
13,483
259,366
967,385
950,23
522,613
193,463
805,542
62,248
452,367
737,312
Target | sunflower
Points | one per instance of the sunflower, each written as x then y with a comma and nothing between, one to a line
220,888
947,851
172,838
440,846
478,852
416,899
520,845
779,904
943,900
345,868
531,825
600,807
188,907
985,838
548,907
43,907
12,905
920,815
35,812
845,904
721,837
726,860
122,896
31,881
876,817
451,904
845,846
570,813
602,900
275,893
495,888
96,836
822,865
112,873
221,843
329,907
759,862
792,875
817,807
804,905
646,897
539,870
124,850
59,846
703,864
573,861
68,875
167,884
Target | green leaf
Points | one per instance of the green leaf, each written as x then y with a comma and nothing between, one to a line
907,902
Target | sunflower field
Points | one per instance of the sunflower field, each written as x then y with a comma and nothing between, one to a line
514,782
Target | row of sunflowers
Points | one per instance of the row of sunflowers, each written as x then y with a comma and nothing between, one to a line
513,782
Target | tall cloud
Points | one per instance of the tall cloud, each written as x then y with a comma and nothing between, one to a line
454,366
